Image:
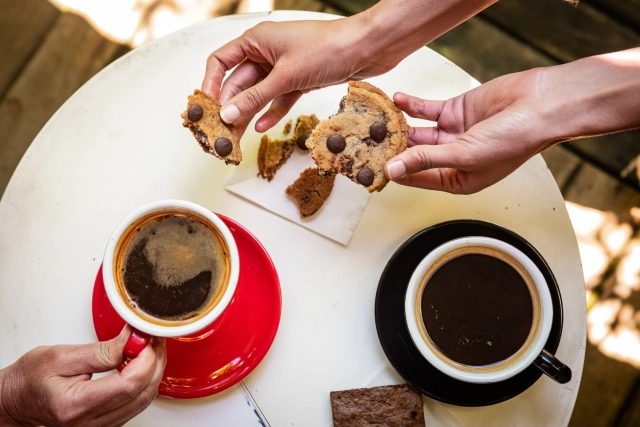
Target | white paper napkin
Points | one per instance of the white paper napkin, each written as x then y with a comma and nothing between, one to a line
337,218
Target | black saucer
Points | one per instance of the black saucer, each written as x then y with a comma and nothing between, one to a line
394,335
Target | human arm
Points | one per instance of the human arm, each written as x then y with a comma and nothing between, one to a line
52,385
485,134
280,61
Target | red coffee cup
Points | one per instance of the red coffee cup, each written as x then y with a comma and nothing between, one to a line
146,326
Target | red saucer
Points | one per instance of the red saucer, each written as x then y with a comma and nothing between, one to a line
225,352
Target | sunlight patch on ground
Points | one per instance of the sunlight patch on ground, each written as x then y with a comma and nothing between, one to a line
600,237
135,22
611,266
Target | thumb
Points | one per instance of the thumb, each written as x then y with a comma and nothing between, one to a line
91,358
424,157
250,101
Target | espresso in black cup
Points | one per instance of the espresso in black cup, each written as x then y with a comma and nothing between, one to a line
477,309
172,266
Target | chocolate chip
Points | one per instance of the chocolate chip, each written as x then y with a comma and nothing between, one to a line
365,177
223,146
195,113
301,140
336,143
378,131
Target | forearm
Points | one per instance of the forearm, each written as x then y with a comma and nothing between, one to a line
591,96
400,27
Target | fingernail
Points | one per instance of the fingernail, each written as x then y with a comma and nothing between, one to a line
396,169
229,113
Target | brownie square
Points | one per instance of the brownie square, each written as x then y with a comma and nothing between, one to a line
389,406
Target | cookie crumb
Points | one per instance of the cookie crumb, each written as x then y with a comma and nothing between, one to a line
304,127
287,128
310,191
272,154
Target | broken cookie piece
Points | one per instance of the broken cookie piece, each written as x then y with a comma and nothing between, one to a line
304,127
310,191
202,117
287,128
271,155
368,130
389,406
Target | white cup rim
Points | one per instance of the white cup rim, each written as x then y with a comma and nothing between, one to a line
162,330
543,328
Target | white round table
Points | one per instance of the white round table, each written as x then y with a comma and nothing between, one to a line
118,143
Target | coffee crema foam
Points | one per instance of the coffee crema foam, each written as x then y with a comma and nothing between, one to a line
173,267
179,250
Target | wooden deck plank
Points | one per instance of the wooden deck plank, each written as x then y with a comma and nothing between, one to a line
594,188
351,7
24,24
332,10
71,53
496,55
612,153
626,11
605,384
562,31
630,414
562,163
308,5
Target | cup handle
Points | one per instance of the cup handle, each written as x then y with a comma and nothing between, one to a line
135,344
552,367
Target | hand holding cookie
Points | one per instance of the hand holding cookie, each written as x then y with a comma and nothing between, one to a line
277,64
279,61
463,153
486,133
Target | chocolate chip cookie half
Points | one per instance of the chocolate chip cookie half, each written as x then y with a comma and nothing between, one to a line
202,117
357,141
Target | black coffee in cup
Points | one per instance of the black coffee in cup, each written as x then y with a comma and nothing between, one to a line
478,307
172,266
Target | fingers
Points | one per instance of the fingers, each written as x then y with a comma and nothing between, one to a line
113,391
423,136
219,62
278,109
443,179
436,167
253,99
449,180
417,107
424,157
132,408
71,360
244,76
